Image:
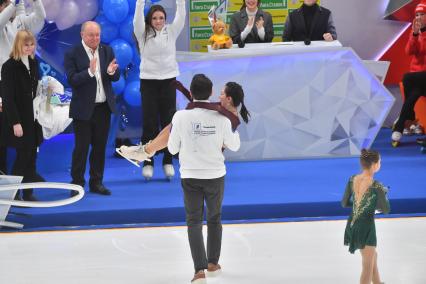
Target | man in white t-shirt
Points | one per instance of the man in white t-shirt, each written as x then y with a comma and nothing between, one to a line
199,135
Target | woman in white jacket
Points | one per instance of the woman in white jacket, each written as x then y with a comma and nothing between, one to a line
13,18
157,46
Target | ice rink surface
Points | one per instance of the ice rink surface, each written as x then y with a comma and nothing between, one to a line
293,252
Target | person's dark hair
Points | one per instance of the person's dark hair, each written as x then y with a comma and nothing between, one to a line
368,158
235,91
244,5
201,87
3,1
148,19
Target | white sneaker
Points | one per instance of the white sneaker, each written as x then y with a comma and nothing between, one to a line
169,171
417,129
396,137
148,172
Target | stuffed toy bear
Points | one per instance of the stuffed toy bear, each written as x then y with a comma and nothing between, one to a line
219,39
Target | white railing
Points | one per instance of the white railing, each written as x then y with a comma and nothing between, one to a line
52,185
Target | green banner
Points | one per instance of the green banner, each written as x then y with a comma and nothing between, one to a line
273,4
202,6
201,32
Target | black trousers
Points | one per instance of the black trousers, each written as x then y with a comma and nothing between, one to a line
3,149
196,192
414,87
25,165
158,108
94,133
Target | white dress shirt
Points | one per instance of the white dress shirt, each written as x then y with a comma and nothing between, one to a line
100,93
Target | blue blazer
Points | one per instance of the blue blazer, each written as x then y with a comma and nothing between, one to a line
84,87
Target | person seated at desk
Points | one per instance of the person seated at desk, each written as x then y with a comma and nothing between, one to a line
251,24
309,22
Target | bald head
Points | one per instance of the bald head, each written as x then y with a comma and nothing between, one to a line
91,34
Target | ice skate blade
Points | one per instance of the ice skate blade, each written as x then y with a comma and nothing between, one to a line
130,160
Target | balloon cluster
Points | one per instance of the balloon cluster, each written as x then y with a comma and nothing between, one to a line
67,13
116,21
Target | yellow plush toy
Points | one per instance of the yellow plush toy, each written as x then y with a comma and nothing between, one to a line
219,39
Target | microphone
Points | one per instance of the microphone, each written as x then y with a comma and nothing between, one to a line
307,41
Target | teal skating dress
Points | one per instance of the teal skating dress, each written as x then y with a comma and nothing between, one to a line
360,229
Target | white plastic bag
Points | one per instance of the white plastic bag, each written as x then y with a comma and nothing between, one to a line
53,118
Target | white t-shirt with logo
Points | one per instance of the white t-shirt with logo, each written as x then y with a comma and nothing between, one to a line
199,135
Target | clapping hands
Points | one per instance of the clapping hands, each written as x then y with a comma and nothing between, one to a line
112,67
260,23
417,25
327,37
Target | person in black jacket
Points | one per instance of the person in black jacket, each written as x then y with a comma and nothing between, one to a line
251,24
19,82
90,68
309,22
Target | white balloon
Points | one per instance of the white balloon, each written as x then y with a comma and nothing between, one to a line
52,8
88,10
68,15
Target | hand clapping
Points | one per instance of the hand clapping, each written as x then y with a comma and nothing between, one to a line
112,66
93,66
260,23
416,26
250,22
327,37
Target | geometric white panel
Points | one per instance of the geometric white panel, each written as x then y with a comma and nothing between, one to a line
309,102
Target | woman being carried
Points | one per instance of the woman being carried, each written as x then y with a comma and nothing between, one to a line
231,97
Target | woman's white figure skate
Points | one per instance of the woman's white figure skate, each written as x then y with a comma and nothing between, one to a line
148,172
134,154
169,171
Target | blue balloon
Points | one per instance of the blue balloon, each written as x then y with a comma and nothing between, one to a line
116,10
109,31
133,74
136,57
118,87
126,29
123,52
146,9
132,94
155,1
132,6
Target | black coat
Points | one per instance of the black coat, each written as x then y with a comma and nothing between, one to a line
19,90
295,28
239,22
84,87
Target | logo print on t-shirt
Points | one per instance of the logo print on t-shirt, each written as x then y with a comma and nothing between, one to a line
196,128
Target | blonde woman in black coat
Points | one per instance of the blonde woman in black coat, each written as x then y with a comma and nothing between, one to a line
19,82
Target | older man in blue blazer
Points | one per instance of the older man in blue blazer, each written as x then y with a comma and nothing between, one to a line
90,68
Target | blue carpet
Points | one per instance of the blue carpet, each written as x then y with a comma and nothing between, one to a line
253,190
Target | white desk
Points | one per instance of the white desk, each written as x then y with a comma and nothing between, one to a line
276,46
306,101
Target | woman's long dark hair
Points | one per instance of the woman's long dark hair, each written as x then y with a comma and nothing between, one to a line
235,91
148,19
244,4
